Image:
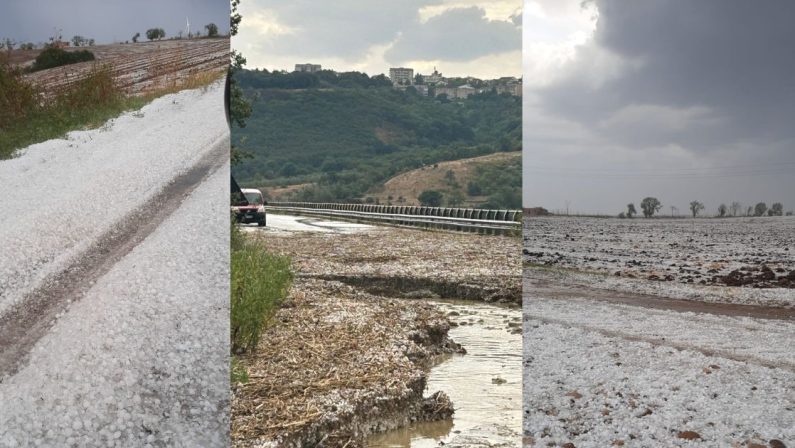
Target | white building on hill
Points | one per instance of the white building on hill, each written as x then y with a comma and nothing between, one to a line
309,68
401,75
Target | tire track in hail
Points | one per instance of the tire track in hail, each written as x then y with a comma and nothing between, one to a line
31,318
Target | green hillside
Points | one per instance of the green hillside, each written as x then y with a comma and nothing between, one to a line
347,138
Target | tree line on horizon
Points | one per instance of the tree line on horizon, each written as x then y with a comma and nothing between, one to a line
77,40
651,206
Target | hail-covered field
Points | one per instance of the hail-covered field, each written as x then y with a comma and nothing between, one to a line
734,260
659,332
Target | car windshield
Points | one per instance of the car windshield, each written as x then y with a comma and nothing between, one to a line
254,198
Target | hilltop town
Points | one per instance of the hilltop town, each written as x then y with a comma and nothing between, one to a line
436,84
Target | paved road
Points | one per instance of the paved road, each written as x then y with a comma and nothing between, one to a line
120,268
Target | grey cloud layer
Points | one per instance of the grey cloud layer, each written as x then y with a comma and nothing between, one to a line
725,66
349,28
345,28
670,86
459,34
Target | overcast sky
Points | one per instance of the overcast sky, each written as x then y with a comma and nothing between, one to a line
480,38
107,21
682,100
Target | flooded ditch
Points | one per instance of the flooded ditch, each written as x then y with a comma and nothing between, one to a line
484,384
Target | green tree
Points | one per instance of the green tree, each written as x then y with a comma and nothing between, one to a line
760,209
777,209
239,108
155,33
474,189
430,198
288,170
631,210
722,210
135,37
696,207
650,206
212,30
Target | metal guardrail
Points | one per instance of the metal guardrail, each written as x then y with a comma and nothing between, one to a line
460,219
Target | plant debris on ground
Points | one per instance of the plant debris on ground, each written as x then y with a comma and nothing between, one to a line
341,361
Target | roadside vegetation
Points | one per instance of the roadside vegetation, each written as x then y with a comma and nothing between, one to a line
259,283
260,280
29,115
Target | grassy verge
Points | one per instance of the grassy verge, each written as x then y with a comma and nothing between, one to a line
26,119
259,283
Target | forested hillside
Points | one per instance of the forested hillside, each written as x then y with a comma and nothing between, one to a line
346,134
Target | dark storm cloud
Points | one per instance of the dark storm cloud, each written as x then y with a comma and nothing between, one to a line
459,34
345,28
676,99
725,68
107,20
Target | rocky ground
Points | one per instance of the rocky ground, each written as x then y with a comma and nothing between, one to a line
348,355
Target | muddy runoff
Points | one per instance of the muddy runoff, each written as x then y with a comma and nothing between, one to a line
484,385
349,355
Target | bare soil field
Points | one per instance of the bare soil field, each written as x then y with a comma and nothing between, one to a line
706,259
349,354
138,68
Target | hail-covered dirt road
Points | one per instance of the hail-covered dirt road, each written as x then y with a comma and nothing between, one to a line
632,359
114,282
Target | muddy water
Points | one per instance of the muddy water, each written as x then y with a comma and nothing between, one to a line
485,385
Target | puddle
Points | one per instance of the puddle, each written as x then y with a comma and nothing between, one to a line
290,223
485,385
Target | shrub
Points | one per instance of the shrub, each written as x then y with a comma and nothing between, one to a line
430,198
56,57
155,33
18,98
260,281
97,89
